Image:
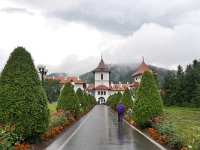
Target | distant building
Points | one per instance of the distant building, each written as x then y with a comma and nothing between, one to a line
75,81
138,74
102,88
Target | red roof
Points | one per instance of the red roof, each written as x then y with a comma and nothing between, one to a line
142,68
89,87
101,67
102,87
119,87
64,80
134,84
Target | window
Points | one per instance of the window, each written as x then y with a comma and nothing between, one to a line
101,76
98,92
101,92
104,92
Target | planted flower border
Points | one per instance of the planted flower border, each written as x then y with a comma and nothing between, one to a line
59,121
153,132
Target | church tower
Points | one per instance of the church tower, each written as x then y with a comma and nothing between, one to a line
102,83
138,74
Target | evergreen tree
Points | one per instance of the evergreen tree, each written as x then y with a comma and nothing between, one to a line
68,100
81,98
22,98
179,82
52,89
88,105
117,97
169,88
127,99
148,103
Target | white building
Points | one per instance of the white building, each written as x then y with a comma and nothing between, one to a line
137,76
75,81
102,88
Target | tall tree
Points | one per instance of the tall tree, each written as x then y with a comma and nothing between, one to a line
127,99
82,100
22,98
52,89
169,88
148,103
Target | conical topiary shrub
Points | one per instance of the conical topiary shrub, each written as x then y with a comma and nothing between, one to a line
68,100
81,98
127,100
22,98
148,103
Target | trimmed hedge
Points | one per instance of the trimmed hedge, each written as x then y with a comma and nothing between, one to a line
68,100
148,103
127,99
22,98
81,98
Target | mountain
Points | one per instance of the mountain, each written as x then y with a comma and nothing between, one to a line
57,74
122,73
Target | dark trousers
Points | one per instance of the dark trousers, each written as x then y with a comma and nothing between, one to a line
120,117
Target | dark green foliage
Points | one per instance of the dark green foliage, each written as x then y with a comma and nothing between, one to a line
22,98
117,97
127,99
82,100
52,89
113,100
68,100
167,128
86,100
169,89
148,103
92,100
182,88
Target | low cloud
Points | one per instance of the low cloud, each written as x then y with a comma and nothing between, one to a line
16,10
73,66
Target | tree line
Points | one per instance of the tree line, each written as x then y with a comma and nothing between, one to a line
182,88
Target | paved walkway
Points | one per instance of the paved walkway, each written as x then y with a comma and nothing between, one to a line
99,130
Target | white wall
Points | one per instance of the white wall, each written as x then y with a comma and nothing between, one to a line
76,86
105,80
104,96
137,78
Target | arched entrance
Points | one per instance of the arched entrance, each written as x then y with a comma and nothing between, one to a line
101,100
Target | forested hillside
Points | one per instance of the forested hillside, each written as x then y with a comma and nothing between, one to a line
122,73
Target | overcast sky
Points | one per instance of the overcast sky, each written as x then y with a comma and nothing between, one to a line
70,35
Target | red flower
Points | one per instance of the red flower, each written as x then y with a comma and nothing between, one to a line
155,119
69,114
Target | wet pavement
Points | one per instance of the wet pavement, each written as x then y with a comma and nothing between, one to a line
99,130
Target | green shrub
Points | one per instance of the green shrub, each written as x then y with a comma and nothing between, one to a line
166,128
22,98
8,138
127,99
58,118
81,98
117,97
68,100
148,103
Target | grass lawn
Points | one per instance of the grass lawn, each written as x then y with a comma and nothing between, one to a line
187,123
52,107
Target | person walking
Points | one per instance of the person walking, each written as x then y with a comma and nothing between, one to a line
120,110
